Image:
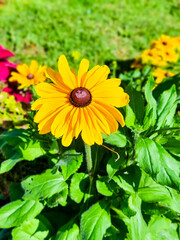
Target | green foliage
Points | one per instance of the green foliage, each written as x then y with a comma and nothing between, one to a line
32,229
130,197
11,112
15,213
135,196
98,30
95,221
43,186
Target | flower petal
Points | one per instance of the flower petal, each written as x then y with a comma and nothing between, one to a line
117,114
112,96
23,69
46,109
49,90
66,73
113,125
60,120
45,125
97,77
83,68
33,67
57,79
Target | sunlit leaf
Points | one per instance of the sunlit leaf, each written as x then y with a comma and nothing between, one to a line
157,162
44,185
95,221
15,213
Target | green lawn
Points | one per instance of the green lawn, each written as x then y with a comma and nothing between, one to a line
100,30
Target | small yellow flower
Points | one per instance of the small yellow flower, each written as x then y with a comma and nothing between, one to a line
75,55
164,41
79,104
152,57
160,74
28,75
169,55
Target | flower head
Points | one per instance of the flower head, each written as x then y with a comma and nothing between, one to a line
153,57
169,55
5,65
28,75
83,103
160,74
164,42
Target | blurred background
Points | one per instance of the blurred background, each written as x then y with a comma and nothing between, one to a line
100,30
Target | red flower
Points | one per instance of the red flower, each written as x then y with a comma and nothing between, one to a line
5,65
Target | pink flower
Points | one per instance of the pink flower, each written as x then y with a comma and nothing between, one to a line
20,95
5,65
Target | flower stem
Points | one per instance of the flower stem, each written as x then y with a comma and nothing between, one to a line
88,157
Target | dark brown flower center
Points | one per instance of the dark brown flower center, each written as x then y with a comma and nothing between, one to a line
150,54
164,43
167,74
30,76
80,97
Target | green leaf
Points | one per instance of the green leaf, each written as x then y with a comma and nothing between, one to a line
15,136
8,164
31,150
79,186
95,221
136,104
157,162
15,213
44,185
113,166
30,230
18,146
123,184
172,145
152,104
149,120
70,163
117,139
137,226
103,186
161,228
130,117
151,192
68,231
166,107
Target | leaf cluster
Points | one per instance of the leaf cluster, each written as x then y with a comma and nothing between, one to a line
134,197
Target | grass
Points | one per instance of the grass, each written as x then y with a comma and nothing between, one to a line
100,30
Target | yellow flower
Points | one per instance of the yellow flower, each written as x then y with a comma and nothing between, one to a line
75,55
169,55
83,103
165,42
153,57
28,75
160,74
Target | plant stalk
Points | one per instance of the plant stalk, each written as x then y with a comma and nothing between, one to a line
88,157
